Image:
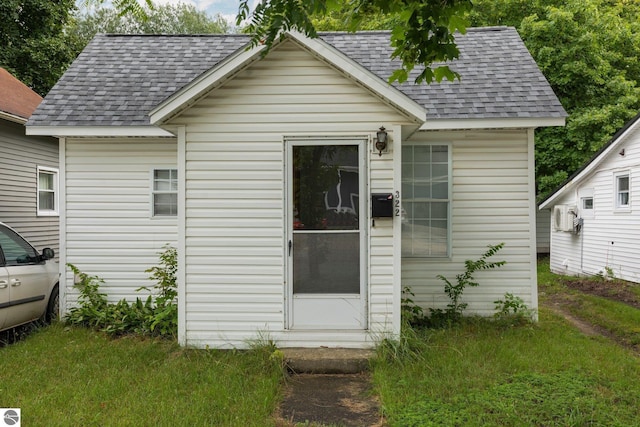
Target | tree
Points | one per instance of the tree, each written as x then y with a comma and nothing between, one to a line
167,19
588,50
36,48
424,33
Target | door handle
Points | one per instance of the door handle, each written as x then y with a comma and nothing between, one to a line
290,246
15,282
3,284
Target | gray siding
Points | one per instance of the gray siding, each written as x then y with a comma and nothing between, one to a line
20,156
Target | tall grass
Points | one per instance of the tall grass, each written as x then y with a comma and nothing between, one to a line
72,376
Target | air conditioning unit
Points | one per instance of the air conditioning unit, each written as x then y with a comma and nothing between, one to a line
563,216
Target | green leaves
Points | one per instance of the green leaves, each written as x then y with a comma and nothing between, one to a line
422,31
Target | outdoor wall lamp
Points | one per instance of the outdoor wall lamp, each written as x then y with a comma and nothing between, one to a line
381,140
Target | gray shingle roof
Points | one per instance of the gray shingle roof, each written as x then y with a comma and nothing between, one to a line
118,79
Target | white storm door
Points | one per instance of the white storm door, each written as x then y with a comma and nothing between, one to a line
326,239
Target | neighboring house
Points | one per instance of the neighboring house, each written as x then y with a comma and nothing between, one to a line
543,232
595,221
28,168
261,171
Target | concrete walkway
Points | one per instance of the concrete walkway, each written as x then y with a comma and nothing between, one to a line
329,387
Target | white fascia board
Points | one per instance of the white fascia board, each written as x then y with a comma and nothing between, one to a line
98,131
357,72
588,169
519,123
12,118
203,84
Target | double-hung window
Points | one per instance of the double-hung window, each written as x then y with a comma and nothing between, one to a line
47,201
622,191
165,192
425,200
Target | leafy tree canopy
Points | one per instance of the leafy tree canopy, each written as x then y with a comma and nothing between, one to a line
422,35
36,48
588,50
163,19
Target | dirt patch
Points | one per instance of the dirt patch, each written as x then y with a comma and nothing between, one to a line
611,289
336,400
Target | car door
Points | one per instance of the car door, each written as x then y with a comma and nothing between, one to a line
28,279
4,292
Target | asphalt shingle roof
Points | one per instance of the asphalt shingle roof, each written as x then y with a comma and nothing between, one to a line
118,79
15,97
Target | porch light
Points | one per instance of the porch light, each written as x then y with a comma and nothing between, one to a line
381,140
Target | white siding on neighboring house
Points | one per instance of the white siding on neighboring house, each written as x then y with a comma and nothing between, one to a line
543,231
20,157
235,197
609,235
109,230
492,202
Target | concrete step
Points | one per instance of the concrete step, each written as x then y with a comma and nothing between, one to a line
327,360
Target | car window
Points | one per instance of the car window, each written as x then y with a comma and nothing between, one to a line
16,250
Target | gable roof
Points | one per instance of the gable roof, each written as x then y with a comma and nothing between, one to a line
119,79
618,139
17,101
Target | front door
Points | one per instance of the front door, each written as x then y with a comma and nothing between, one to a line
326,239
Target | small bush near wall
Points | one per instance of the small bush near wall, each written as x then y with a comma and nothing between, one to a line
157,315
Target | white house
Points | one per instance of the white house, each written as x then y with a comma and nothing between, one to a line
289,220
595,221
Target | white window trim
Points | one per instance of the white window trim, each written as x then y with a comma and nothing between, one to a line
152,192
56,192
449,201
616,205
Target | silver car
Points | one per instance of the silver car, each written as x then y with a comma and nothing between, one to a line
28,281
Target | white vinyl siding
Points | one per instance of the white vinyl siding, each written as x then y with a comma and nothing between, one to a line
20,156
235,197
609,235
108,229
491,200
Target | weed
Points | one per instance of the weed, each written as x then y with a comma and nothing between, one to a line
513,310
453,313
412,313
153,316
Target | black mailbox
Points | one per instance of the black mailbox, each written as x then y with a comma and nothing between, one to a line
382,205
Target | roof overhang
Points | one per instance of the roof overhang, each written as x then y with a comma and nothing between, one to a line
98,131
225,70
12,118
572,182
498,123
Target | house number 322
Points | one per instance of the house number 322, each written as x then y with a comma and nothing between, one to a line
396,203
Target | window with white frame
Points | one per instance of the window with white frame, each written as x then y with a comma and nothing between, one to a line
425,200
47,201
622,191
165,192
587,203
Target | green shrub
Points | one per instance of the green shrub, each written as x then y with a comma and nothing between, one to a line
157,315
513,310
453,313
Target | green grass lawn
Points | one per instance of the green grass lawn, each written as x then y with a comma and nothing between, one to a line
475,374
68,376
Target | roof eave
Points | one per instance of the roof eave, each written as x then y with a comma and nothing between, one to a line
492,123
12,118
618,139
98,131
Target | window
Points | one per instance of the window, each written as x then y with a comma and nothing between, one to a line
425,200
47,203
587,203
622,191
165,192
16,250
